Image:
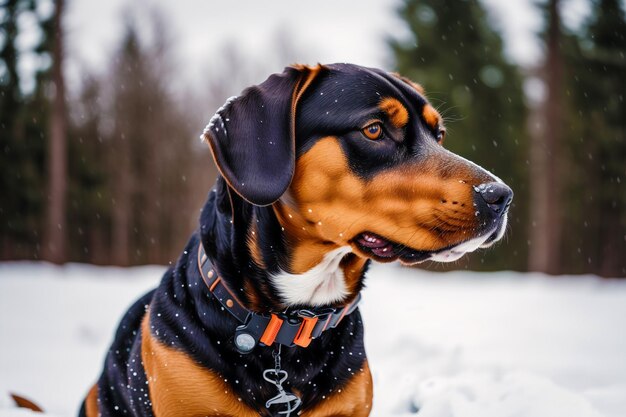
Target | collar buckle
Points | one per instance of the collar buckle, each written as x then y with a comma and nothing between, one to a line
304,336
291,328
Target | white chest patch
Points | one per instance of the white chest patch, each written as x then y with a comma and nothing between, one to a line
320,285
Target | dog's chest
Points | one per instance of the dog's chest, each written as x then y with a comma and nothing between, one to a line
321,285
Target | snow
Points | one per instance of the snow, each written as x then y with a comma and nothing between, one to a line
458,344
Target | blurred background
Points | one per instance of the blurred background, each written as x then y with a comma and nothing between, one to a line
102,103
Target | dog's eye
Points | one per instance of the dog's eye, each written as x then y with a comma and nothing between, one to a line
441,134
373,131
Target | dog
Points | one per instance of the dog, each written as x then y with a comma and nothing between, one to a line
322,169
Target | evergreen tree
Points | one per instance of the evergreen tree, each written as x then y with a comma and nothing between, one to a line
458,57
131,162
12,197
150,157
547,156
54,248
89,196
595,219
23,124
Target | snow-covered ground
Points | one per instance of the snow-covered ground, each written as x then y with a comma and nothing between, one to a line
456,344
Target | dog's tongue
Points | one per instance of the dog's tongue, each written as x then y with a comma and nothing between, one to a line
384,252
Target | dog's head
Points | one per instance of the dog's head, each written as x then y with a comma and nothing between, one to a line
353,157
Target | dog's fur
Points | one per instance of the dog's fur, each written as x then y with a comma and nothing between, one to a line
322,169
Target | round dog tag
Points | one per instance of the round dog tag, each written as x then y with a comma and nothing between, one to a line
244,342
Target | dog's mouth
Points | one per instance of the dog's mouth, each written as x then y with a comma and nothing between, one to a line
385,250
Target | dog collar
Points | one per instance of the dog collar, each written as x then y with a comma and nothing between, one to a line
292,328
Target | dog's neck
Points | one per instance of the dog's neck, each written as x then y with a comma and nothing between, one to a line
272,260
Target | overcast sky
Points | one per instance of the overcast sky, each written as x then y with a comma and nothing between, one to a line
323,31
320,31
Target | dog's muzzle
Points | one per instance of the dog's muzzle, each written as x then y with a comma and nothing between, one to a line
491,201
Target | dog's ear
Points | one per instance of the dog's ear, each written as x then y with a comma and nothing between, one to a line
252,136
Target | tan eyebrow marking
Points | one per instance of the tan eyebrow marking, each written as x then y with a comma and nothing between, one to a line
398,114
431,116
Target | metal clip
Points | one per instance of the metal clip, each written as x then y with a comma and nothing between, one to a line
277,376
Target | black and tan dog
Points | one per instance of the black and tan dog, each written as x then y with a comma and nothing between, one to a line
322,170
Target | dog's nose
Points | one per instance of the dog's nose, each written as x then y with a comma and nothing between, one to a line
498,196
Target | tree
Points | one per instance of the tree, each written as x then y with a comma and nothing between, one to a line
10,107
89,196
55,237
125,113
595,214
23,120
545,157
458,57
150,160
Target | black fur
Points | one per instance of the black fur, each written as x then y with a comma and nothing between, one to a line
255,144
186,317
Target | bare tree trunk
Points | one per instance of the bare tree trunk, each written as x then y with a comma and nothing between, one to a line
54,249
98,253
155,173
121,215
545,232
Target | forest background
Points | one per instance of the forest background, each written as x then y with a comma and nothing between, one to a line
104,165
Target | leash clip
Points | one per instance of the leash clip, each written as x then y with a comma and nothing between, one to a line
277,376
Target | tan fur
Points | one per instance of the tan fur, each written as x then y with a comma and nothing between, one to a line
352,266
178,386
253,247
353,400
397,113
431,116
91,402
329,205
252,294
